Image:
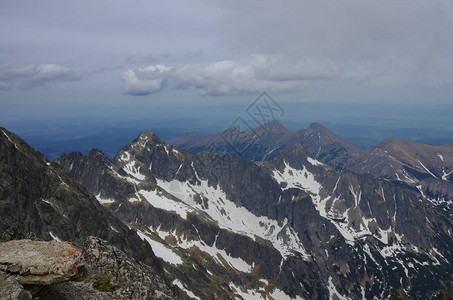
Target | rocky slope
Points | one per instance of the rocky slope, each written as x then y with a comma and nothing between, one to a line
39,200
289,228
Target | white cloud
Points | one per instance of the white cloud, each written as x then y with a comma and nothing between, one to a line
30,76
230,77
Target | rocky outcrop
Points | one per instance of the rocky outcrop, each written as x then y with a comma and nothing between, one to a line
58,270
40,263
29,267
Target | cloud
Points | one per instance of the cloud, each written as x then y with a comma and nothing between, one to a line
405,42
229,77
34,75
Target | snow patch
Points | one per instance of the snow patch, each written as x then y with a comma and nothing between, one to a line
181,286
54,237
445,174
161,250
111,227
236,263
301,179
304,180
246,294
333,293
103,200
9,139
279,294
125,156
133,170
314,162
427,170
43,200
164,203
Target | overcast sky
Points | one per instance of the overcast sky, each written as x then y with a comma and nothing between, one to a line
140,52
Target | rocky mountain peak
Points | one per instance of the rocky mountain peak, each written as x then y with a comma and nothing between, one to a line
318,129
96,152
149,136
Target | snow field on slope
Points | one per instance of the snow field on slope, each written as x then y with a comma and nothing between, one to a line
236,263
103,200
161,250
256,295
305,180
237,219
314,162
333,293
301,179
181,286
134,171
164,203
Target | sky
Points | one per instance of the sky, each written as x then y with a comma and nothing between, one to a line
77,58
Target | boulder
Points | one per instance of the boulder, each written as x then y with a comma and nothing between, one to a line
39,262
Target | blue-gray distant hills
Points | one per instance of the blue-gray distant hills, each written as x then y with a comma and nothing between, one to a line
428,168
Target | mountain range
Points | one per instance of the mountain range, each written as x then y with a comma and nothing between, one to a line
263,214
428,168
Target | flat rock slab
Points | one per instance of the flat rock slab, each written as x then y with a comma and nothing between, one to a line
40,262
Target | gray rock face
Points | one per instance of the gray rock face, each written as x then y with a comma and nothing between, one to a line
111,269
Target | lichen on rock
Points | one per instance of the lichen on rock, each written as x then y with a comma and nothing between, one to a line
39,262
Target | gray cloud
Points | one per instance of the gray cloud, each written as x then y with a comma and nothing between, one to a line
404,41
228,77
34,75
387,45
147,59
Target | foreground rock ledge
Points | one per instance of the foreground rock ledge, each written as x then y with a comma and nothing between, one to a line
39,262
50,270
